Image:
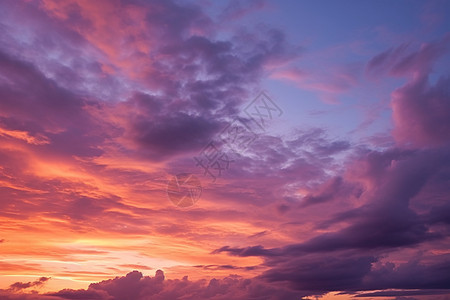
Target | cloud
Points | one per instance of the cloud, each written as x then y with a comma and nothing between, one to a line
421,113
401,61
7,295
136,286
420,108
169,96
169,107
18,286
331,84
237,10
348,255
403,294
321,273
346,271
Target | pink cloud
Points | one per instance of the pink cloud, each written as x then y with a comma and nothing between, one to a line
136,286
421,113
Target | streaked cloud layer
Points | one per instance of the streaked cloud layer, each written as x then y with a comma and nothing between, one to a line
346,194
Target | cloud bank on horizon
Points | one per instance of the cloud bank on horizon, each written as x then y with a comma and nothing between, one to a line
346,195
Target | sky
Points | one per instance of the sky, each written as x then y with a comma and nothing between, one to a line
224,149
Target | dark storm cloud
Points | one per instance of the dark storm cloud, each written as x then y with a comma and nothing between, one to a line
335,260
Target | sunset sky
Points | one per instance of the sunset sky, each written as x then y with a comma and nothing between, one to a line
120,176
